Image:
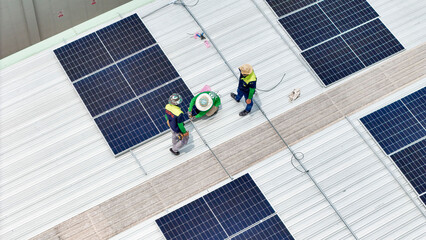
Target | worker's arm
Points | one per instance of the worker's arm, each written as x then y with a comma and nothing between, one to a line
251,93
200,114
180,124
165,115
192,103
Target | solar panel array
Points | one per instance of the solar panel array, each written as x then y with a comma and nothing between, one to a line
237,210
325,29
124,79
400,129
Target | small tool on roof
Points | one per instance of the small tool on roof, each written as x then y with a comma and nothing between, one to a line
294,94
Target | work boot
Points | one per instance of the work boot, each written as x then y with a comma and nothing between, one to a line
243,113
175,153
234,96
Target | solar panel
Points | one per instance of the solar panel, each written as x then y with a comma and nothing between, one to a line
332,60
372,42
104,90
416,103
238,204
192,221
155,101
270,229
423,198
83,56
412,163
393,127
126,126
347,14
283,7
309,27
148,69
126,37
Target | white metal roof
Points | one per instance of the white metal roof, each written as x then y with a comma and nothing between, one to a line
56,164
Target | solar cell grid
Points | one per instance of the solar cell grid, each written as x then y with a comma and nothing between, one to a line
83,56
309,27
393,127
148,69
126,37
270,229
412,163
423,198
332,60
192,221
126,126
372,42
416,103
238,204
283,7
155,101
347,14
104,90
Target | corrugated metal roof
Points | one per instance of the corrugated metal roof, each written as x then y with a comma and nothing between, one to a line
56,164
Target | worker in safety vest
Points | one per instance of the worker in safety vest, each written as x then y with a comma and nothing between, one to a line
205,103
175,118
246,87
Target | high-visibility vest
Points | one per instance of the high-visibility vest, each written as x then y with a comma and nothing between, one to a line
249,78
175,110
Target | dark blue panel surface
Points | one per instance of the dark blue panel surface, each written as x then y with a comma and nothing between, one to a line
309,27
416,103
126,37
347,14
83,56
283,7
423,198
156,101
332,60
148,69
393,127
192,221
238,204
104,90
271,229
126,126
372,42
412,163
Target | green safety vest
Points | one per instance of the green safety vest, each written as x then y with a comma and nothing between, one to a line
174,109
250,78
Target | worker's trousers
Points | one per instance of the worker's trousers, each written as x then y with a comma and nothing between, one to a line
245,94
178,144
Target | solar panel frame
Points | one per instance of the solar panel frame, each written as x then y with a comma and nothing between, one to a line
159,98
309,27
104,90
339,62
126,37
83,56
192,221
270,229
372,42
126,127
411,161
144,76
283,7
238,204
348,14
416,103
393,127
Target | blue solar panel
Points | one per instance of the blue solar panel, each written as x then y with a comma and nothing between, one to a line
83,56
283,7
155,101
416,103
126,37
412,163
148,69
192,221
372,42
126,126
104,90
332,60
393,127
347,14
423,198
271,229
238,204
309,27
